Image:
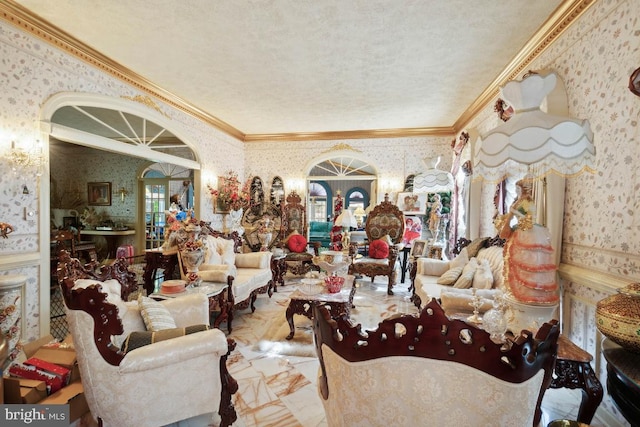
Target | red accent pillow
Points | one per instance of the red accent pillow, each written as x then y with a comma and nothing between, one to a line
378,249
297,243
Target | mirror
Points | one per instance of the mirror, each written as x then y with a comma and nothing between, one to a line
277,191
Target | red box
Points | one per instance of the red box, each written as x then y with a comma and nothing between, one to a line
51,368
20,370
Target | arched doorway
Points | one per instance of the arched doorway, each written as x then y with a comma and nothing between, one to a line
343,172
98,137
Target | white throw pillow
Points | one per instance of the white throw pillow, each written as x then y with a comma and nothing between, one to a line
156,316
495,256
450,276
461,260
225,249
483,279
211,251
466,278
218,276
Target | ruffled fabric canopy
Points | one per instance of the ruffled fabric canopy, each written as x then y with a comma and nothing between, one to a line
433,180
533,141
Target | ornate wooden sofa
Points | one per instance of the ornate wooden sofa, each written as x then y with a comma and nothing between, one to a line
429,370
184,377
385,219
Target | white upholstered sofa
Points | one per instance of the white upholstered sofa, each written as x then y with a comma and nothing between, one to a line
478,265
247,274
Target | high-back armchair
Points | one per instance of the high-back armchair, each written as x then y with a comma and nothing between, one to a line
298,260
157,384
386,219
428,370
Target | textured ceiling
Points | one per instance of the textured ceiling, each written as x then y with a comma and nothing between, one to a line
289,66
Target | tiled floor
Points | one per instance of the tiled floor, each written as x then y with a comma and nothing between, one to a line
280,390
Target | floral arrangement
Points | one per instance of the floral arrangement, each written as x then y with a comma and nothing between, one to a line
229,194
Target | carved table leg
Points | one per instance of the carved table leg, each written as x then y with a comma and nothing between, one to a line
573,374
226,409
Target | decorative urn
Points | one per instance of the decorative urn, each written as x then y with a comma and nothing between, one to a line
618,317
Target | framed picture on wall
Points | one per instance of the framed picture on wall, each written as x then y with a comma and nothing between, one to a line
99,193
412,203
412,229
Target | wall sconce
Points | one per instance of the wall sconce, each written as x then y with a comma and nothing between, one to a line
123,191
21,159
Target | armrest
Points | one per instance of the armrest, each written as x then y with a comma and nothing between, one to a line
432,267
254,260
174,351
188,310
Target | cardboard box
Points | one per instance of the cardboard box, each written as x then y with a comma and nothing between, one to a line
61,353
51,368
20,370
20,390
73,395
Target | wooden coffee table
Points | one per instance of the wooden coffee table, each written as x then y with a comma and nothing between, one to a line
302,303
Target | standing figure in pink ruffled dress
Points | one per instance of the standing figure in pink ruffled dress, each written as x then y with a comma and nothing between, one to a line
529,268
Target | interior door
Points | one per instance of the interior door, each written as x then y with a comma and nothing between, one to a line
155,203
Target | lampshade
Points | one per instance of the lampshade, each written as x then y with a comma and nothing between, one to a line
433,180
346,219
533,141
359,212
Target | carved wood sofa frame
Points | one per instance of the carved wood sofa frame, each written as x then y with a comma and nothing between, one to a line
433,335
386,219
107,323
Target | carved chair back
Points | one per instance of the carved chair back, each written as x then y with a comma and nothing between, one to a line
94,302
398,344
293,216
385,219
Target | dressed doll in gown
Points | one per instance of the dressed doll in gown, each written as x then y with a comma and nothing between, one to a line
529,268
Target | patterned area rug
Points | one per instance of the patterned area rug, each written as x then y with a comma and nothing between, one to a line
372,305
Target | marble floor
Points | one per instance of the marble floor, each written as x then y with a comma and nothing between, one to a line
280,390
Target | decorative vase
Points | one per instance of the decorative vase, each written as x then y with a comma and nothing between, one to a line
618,317
265,240
192,259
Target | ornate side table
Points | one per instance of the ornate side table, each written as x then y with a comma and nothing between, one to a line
278,268
573,370
302,303
156,259
216,292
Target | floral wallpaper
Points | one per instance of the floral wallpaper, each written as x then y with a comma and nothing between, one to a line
594,57
31,71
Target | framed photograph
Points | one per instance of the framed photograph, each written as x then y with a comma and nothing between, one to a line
99,193
68,222
412,203
412,229
418,248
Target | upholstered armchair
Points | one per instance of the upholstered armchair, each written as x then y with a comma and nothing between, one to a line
168,380
428,370
386,222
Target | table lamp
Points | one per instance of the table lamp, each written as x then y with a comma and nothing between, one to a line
359,213
346,220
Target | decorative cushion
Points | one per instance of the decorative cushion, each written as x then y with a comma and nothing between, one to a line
461,260
211,255
378,249
219,276
450,277
139,339
495,256
483,279
297,243
156,317
475,246
466,278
